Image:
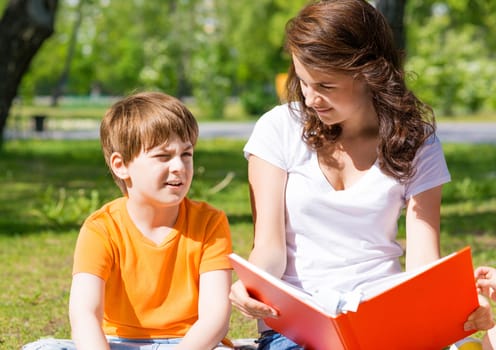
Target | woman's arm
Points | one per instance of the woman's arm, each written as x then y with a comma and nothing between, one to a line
214,310
422,246
422,228
86,312
267,189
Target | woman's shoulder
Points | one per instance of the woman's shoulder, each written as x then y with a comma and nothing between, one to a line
432,145
281,117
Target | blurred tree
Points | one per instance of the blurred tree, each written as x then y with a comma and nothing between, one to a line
168,34
48,63
64,75
452,54
211,60
116,44
215,48
25,25
257,40
394,11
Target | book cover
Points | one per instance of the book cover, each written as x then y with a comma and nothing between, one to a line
422,309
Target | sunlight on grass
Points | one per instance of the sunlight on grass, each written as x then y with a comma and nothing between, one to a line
53,185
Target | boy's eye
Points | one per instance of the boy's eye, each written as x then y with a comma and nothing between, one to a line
188,154
163,155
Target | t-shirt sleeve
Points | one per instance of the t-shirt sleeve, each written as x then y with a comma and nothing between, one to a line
93,251
217,245
431,169
271,137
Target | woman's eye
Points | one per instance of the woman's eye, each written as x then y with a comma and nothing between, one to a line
326,87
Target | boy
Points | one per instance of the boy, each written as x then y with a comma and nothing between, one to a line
150,267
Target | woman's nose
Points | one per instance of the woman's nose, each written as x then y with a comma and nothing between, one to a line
310,97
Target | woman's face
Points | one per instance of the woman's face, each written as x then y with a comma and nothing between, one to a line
335,97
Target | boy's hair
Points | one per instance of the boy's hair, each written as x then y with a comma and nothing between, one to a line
142,121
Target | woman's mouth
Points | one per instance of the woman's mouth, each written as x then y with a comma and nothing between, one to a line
322,110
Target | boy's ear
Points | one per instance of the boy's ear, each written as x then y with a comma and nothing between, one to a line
118,166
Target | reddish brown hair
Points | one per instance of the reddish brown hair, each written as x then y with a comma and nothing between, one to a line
352,37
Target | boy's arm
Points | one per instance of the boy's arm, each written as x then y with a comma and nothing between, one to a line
214,310
86,312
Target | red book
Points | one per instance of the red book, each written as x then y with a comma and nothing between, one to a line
423,309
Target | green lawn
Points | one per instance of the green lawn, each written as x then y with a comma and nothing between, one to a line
49,187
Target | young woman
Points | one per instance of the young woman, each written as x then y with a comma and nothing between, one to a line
331,171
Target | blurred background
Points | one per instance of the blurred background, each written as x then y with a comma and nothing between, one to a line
220,56
63,62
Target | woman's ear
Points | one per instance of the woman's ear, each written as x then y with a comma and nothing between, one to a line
118,166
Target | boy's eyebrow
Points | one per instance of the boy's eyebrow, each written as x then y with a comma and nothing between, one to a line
186,146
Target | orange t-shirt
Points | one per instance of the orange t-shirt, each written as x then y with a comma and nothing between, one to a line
151,291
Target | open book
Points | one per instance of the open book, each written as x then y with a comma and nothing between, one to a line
422,309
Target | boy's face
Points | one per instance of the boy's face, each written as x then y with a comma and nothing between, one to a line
163,174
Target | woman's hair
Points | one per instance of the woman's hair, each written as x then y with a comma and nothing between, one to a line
352,37
143,121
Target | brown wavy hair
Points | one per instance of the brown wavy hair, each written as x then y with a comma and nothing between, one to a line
352,37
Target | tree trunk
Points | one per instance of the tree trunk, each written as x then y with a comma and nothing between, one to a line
394,11
61,85
25,25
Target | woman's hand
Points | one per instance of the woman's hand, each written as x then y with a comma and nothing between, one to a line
248,306
481,319
486,281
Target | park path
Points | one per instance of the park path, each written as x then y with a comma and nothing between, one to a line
449,132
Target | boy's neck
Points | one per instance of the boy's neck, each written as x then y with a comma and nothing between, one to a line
153,222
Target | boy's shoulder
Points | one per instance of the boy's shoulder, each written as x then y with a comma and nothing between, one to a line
201,207
202,213
107,211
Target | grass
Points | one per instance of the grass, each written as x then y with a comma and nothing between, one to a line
49,187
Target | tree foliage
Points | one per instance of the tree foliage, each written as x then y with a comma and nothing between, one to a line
452,55
212,49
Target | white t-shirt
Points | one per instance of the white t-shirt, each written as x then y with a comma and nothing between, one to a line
339,239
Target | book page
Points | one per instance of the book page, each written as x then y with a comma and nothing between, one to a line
333,302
